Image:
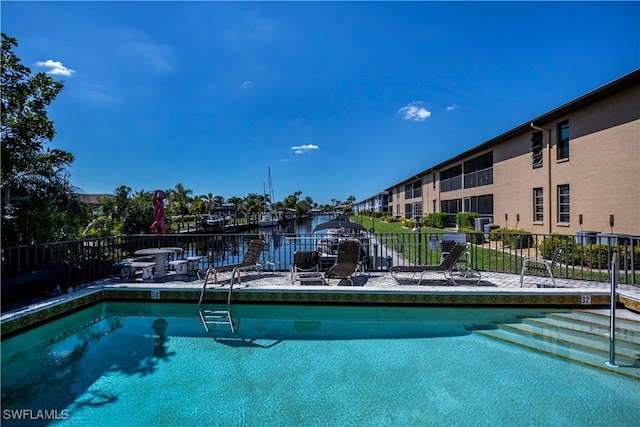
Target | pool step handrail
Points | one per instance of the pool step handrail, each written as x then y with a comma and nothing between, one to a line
212,317
204,288
612,312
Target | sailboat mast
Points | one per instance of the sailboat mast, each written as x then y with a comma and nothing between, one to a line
270,187
264,197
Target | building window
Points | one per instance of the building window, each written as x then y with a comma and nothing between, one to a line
563,140
478,171
434,182
407,210
479,204
452,207
434,205
407,191
536,149
538,207
451,179
413,190
563,203
417,189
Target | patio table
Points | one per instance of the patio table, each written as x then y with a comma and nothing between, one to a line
160,269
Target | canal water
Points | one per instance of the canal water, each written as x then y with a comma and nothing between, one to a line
297,235
296,226
282,241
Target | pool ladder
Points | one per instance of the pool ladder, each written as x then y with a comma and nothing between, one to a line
216,317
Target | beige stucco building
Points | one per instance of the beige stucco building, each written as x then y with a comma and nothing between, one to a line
575,168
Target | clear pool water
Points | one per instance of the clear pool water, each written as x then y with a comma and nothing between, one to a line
123,364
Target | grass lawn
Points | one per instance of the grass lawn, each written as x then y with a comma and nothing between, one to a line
416,248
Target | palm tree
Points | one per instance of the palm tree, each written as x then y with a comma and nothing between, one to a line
181,199
218,201
199,205
254,203
236,202
209,202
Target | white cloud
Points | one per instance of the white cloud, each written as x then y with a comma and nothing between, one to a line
451,107
55,67
245,85
415,112
301,149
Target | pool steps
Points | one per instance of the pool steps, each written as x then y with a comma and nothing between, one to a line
580,337
216,317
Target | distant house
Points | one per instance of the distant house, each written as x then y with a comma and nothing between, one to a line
377,203
224,211
574,168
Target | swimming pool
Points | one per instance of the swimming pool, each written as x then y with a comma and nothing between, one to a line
154,364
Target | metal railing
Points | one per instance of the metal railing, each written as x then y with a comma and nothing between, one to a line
92,259
612,311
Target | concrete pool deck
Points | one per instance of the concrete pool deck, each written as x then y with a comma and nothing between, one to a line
372,288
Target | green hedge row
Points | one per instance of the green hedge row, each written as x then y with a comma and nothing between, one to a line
514,239
390,218
590,255
187,218
467,220
437,220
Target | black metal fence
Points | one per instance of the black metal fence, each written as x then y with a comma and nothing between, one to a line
93,259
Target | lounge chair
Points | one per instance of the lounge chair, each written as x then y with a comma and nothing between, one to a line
251,261
347,262
448,242
540,265
305,267
449,267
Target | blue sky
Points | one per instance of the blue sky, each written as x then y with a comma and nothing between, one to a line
336,98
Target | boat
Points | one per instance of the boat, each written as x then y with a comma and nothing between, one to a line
268,217
329,234
214,222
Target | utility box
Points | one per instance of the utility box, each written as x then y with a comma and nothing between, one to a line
613,239
481,222
586,237
488,228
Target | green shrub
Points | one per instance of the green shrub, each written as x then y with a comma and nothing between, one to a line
437,220
518,239
495,235
599,256
592,256
409,223
473,236
466,220
178,219
550,245
626,252
391,218
515,239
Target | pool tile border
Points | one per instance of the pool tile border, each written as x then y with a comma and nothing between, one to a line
35,316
